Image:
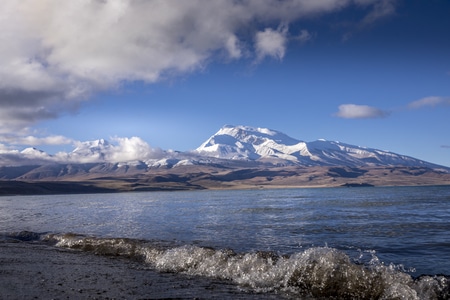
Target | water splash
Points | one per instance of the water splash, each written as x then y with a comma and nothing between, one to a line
318,272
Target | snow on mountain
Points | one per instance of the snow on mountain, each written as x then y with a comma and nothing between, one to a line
89,147
248,143
131,150
260,144
126,151
338,153
34,153
236,144
91,150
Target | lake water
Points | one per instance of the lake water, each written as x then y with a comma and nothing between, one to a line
372,242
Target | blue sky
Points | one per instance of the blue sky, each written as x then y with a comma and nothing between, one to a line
365,72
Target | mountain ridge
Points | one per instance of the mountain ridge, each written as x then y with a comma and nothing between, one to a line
249,143
235,143
235,157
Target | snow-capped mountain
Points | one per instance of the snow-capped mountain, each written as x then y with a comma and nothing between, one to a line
94,150
266,145
248,143
34,152
234,157
90,147
242,145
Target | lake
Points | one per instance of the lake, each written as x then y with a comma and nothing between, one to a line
360,242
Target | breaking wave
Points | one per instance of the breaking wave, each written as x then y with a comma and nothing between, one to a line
318,272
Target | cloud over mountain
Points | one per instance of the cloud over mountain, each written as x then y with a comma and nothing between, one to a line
118,150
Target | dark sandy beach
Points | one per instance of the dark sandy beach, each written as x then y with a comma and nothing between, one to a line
32,270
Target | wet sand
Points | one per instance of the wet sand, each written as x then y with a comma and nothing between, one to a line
32,270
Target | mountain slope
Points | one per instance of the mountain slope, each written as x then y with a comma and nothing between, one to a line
231,146
261,144
248,143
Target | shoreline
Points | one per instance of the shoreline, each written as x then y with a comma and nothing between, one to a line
34,270
37,188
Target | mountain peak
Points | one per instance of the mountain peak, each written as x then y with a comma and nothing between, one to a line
243,143
257,134
93,146
93,150
248,143
267,145
33,151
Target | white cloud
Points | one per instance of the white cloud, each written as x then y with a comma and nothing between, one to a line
271,43
429,101
28,156
233,47
34,141
304,36
55,54
120,150
130,149
353,111
5,149
381,9
377,10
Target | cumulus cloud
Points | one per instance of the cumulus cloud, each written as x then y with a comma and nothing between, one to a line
354,111
271,43
429,101
119,150
130,149
56,54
